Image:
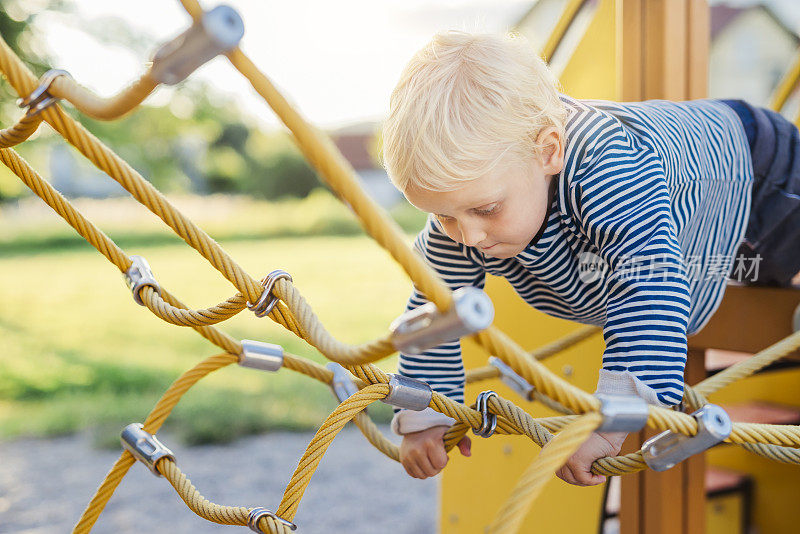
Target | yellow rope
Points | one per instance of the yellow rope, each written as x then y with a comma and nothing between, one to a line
785,86
540,353
105,109
21,131
562,25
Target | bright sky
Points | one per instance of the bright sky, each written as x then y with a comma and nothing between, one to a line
336,60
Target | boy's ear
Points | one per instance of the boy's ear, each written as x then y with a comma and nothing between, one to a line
552,151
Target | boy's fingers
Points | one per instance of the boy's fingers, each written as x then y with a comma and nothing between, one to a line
560,473
565,475
592,480
584,476
411,469
438,457
569,475
420,468
424,465
465,446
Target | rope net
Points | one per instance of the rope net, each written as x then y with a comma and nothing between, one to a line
564,434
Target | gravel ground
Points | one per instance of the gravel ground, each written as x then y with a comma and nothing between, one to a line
45,485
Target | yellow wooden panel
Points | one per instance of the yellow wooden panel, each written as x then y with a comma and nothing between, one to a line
775,485
724,514
474,489
591,72
782,387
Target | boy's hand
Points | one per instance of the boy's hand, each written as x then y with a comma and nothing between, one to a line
577,470
422,453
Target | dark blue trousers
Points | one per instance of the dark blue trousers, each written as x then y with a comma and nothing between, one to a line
773,230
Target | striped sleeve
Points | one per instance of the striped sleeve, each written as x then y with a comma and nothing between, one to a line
441,367
621,203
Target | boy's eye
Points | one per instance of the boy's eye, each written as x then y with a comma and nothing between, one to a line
490,211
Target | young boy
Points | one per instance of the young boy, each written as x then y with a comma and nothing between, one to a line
626,216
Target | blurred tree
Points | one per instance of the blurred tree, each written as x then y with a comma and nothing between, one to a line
269,166
285,174
280,170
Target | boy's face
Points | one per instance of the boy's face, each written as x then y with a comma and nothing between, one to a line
498,213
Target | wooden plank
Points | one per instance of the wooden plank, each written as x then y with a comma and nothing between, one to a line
698,24
630,45
631,489
666,48
670,502
749,319
663,501
694,492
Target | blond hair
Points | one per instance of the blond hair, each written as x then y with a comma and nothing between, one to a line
463,102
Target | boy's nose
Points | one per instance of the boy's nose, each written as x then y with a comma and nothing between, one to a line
471,235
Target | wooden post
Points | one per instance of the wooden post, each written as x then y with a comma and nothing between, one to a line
671,502
662,52
662,49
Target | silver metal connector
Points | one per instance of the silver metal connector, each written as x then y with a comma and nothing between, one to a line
217,32
138,276
489,419
425,327
408,393
144,446
260,355
256,514
667,449
622,413
40,99
342,385
512,379
267,300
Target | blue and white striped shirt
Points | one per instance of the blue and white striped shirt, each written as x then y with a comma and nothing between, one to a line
658,193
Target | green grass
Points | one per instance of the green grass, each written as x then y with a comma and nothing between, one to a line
78,353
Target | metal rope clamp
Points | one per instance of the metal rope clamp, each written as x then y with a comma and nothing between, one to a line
256,514
342,385
144,446
622,413
267,300
510,378
261,355
216,32
408,393
138,276
667,449
425,327
40,99
489,419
